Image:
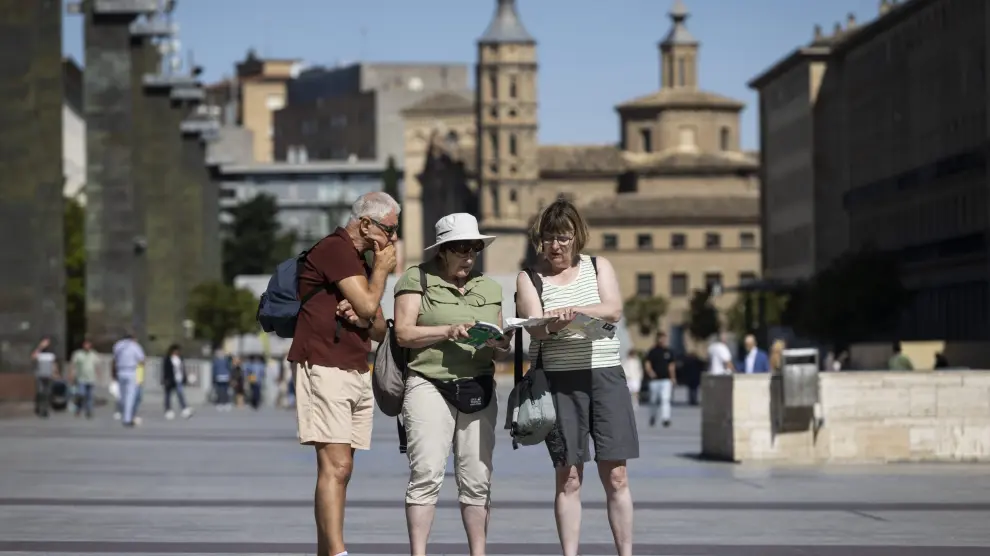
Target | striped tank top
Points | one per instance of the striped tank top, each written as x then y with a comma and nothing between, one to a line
573,354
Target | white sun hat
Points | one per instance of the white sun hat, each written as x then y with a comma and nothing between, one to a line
459,226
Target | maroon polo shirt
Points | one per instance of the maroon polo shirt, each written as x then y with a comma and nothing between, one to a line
333,259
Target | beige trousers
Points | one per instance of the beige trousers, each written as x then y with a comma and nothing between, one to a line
433,427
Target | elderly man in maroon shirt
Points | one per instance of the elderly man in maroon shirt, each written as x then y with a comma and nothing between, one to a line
334,401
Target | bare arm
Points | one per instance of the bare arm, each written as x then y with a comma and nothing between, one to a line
407,332
672,369
610,307
648,368
365,295
377,330
528,305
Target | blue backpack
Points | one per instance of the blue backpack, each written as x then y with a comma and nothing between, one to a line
280,304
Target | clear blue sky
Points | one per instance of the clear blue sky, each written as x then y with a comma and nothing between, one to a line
593,53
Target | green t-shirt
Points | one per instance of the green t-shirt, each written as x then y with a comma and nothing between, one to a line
444,305
900,362
84,365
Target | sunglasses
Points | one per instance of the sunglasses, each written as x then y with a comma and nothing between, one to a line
465,247
563,241
388,230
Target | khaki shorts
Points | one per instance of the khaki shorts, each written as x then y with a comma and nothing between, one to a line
334,406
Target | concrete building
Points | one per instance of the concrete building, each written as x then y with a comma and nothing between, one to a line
354,111
251,98
686,193
890,152
313,198
73,131
32,302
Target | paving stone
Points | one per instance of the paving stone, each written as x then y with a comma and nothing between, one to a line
238,483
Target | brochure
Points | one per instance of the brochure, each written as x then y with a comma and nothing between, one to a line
582,326
512,323
480,333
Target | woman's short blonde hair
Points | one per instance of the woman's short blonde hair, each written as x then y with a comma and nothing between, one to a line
561,217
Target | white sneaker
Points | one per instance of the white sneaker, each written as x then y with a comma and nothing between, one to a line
116,416
137,421
187,413
169,415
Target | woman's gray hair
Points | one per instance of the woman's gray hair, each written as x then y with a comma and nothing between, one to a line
375,205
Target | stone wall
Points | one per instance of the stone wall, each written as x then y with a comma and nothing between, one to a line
863,417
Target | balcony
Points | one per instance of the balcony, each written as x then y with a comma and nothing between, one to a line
125,7
200,127
162,81
154,28
187,93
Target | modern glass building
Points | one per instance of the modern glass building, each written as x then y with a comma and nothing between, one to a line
313,198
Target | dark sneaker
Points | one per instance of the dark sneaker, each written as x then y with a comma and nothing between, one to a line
666,424
653,421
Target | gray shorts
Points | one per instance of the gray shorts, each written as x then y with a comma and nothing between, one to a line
593,403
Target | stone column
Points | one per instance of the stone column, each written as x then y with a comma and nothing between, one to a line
114,229
32,281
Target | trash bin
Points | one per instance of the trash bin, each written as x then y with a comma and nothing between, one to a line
799,375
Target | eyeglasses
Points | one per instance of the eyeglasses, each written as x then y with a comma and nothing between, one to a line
563,241
465,247
388,230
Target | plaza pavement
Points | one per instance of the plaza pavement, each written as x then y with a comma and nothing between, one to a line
237,483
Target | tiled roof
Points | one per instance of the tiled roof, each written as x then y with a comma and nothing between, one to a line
682,98
580,159
444,102
633,209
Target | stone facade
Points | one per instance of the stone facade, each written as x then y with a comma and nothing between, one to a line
866,417
679,147
32,286
845,166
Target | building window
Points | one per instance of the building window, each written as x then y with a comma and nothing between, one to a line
678,284
513,196
309,127
451,140
513,88
746,277
646,140
493,86
644,241
338,121
512,145
678,241
493,139
713,241
681,72
713,279
610,242
723,138
687,137
644,285
747,240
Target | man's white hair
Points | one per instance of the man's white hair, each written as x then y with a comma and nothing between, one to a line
375,205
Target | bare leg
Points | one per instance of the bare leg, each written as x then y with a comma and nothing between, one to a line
567,507
334,464
619,502
419,521
475,520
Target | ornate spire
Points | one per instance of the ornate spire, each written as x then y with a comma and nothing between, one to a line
679,33
506,26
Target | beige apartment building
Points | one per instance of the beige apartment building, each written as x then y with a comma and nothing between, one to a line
674,205
881,130
251,99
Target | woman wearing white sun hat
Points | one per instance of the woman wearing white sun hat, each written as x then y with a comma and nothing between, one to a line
450,393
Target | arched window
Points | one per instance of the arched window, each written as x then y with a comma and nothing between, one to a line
512,145
724,138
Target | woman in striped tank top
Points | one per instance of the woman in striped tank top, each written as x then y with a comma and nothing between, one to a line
586,377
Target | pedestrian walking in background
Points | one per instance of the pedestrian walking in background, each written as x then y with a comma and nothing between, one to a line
633,365
46,371
128,357
254,374
174,380
222,373
662,370
82,371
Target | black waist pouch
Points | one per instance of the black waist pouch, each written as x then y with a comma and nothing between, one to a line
467,395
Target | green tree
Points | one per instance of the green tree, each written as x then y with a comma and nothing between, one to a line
74,222
776,306
858,297
645,312
703,317
390,185
220,310
253,240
